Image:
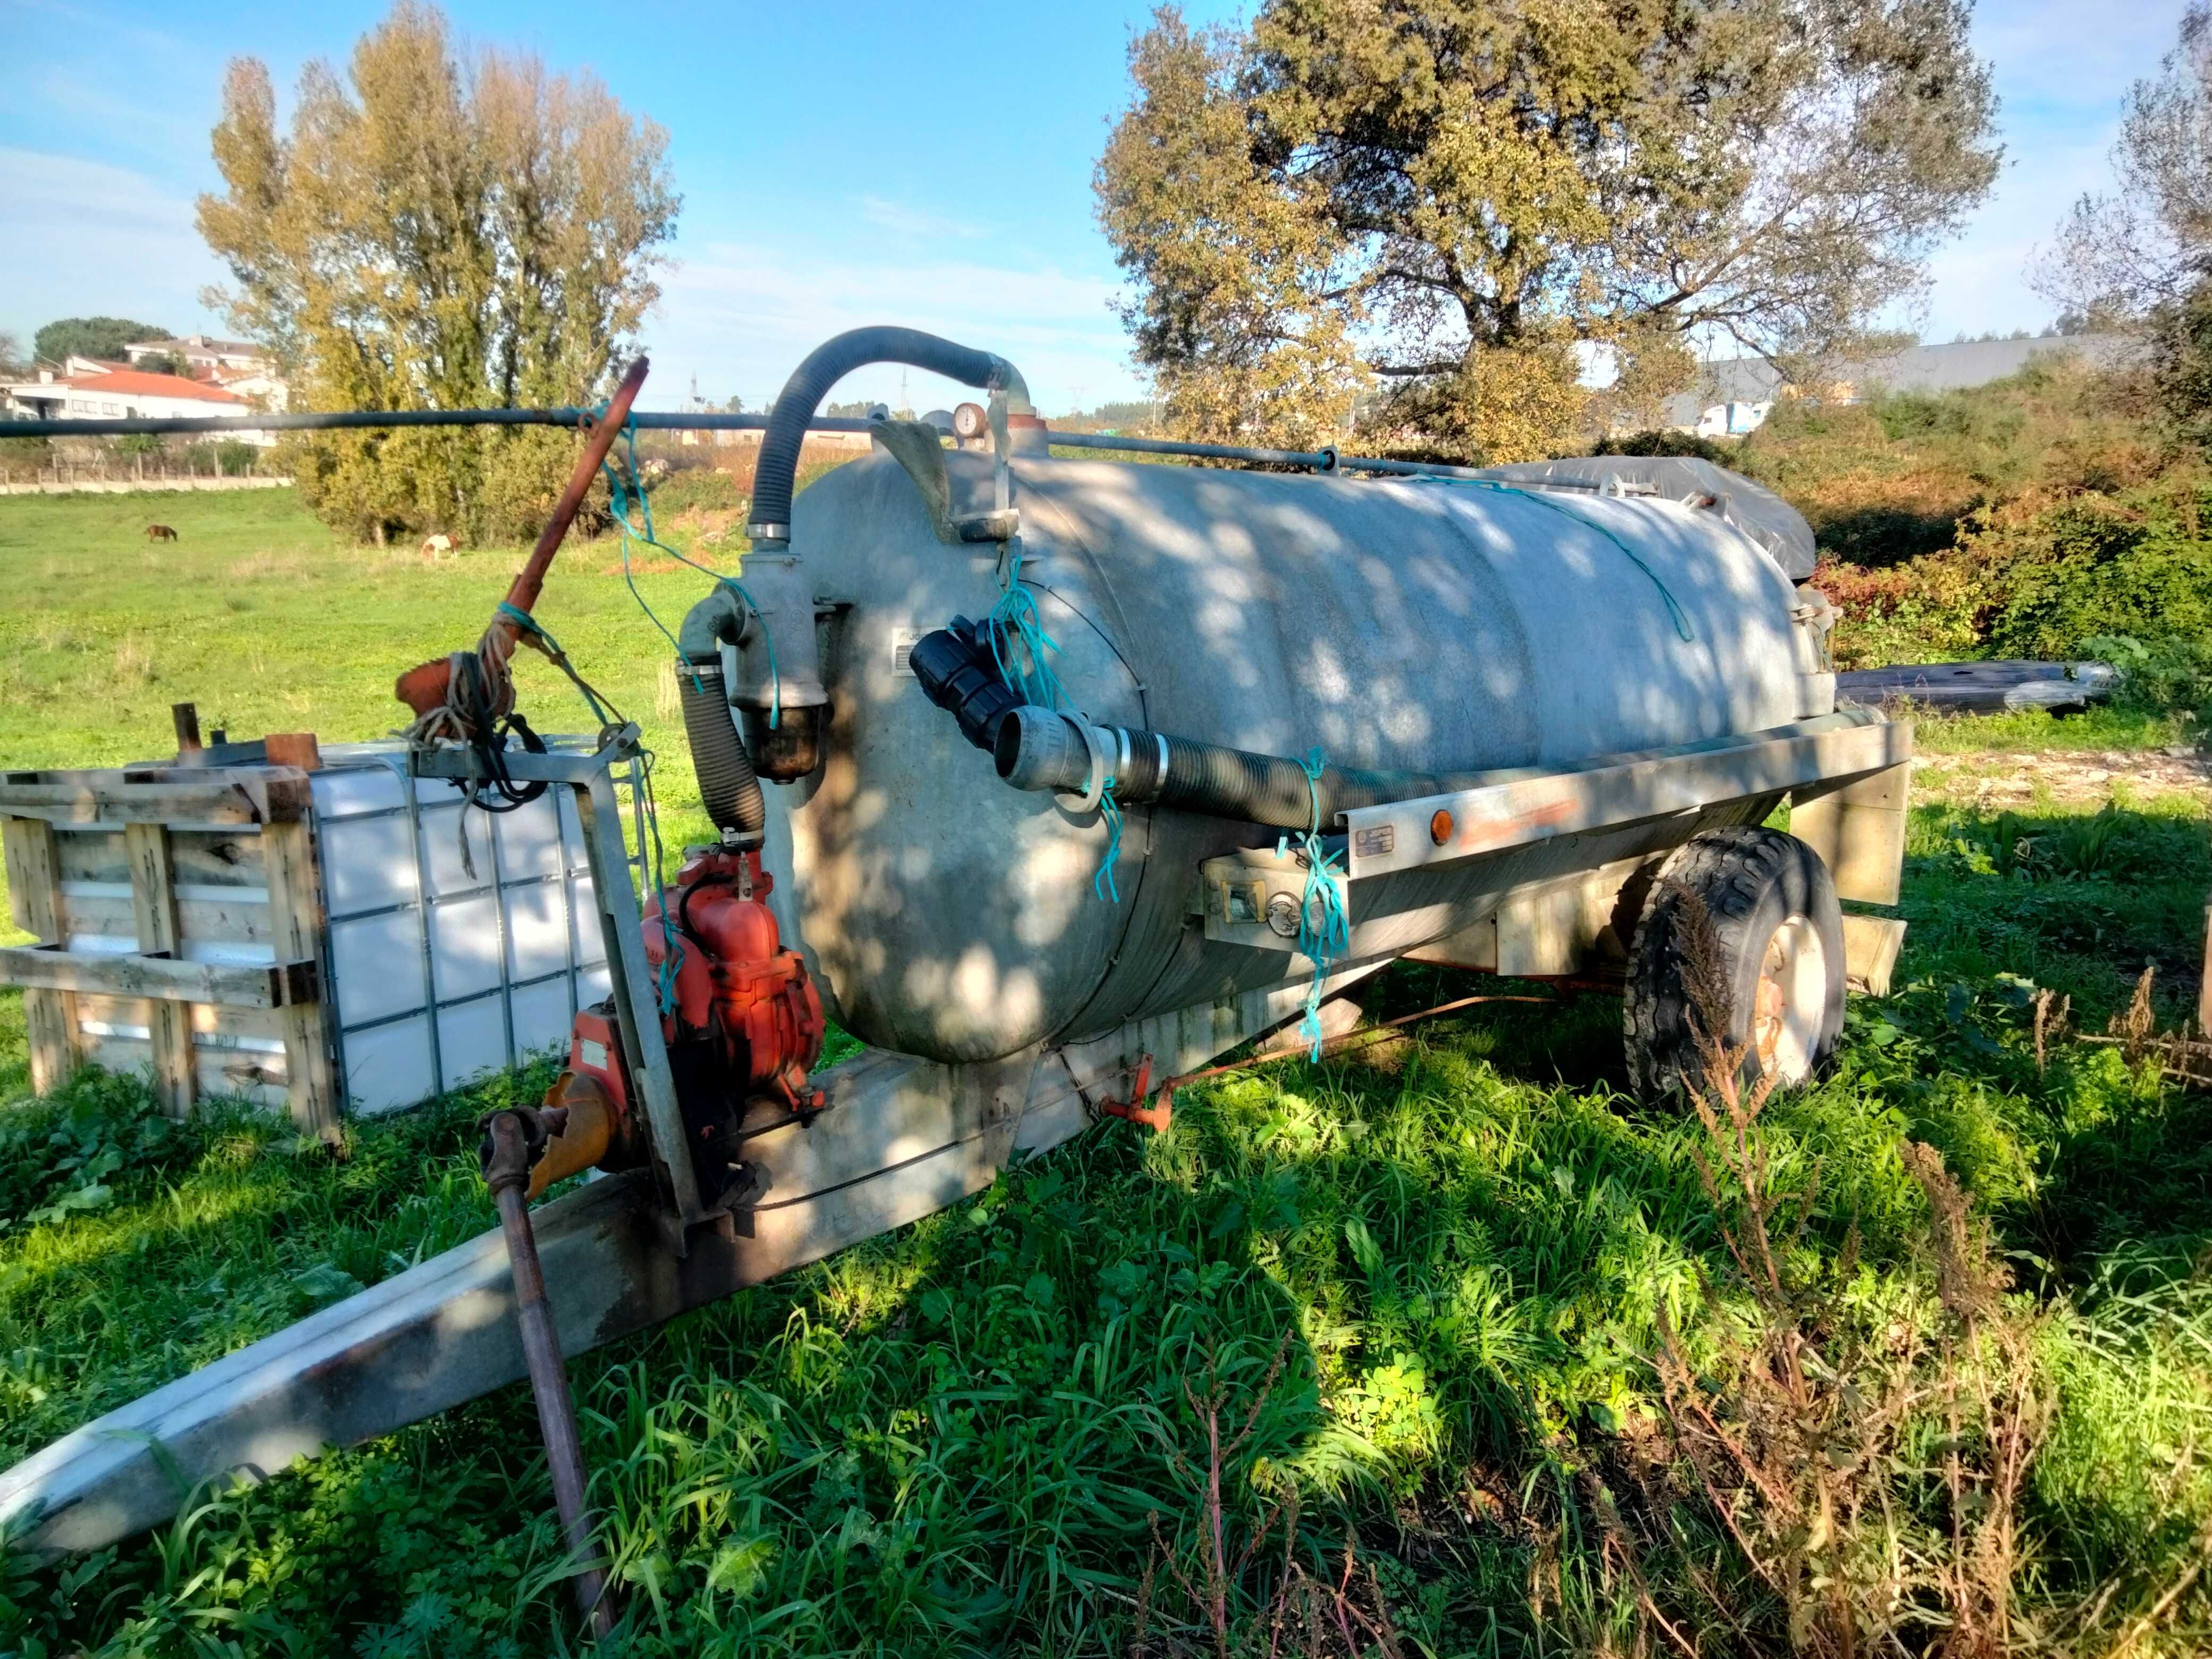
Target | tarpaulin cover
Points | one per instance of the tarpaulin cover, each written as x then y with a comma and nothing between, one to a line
1752,509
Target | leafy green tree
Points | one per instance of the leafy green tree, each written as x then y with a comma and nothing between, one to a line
92,337
434,233
1456,199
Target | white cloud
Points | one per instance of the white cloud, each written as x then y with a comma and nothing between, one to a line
87,238
916,225
743,316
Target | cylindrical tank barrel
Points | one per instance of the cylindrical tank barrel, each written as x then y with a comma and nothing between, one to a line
1397,626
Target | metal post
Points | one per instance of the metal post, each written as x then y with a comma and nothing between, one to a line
506,1158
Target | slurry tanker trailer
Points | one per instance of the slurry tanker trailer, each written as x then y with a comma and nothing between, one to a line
1049,778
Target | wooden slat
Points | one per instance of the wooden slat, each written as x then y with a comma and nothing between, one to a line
154,907
296,924
216,1026
209,858
92,855
258,1077
50,967
34,893
2204,985
1858,830
240,921
159,795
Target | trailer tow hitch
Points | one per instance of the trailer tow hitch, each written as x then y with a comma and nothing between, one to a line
511,1140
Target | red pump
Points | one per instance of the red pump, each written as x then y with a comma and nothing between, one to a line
735,983
746,1030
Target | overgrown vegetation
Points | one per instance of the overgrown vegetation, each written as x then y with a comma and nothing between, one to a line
2061,513
1452,1284
1439,1347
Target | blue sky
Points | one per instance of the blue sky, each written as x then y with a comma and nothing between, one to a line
868,162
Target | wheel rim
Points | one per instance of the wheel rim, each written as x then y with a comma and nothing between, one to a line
1792,1000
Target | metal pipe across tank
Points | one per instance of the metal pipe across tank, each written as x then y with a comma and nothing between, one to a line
1317,460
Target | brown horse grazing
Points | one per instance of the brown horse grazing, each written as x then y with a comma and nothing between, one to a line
160,533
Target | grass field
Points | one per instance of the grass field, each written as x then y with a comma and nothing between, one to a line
1439,1281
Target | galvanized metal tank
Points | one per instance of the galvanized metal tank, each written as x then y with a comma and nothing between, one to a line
1400,624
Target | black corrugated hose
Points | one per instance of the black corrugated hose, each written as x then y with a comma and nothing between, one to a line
828,364
727,785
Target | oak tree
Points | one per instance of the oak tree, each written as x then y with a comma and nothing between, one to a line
103,338
432,231
1457,201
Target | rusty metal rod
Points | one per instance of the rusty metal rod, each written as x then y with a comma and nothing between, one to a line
505,1158
425,687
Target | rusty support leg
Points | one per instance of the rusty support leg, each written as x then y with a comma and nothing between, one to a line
506,1158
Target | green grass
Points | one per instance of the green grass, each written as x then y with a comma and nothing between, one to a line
2022,731
272,622
953,1439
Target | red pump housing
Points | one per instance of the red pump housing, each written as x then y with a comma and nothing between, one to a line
735,983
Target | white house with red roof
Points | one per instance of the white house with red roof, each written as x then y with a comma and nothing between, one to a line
87,389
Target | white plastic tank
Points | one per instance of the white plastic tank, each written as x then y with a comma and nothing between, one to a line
440,973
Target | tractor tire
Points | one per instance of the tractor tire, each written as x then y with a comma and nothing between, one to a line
1777,935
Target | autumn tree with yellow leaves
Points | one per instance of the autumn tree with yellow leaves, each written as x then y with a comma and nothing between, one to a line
435,231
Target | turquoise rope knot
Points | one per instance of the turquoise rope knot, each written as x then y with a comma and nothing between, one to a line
1324,930
1018,644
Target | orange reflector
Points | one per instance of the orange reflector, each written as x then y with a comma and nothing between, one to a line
1440,827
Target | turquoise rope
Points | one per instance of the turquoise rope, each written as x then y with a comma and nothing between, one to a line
1110,810
1673,606
1017,612
618,499
530,624
1324,931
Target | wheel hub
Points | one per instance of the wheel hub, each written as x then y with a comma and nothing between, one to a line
1792,997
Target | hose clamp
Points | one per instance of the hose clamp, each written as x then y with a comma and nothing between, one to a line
1102,767
769,532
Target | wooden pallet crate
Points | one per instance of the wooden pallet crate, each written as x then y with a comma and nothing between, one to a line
178,913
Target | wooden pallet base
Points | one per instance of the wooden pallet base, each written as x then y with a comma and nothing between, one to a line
178,917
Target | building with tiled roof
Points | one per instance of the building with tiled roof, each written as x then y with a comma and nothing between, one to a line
86,389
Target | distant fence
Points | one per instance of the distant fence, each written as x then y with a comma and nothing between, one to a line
125,486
